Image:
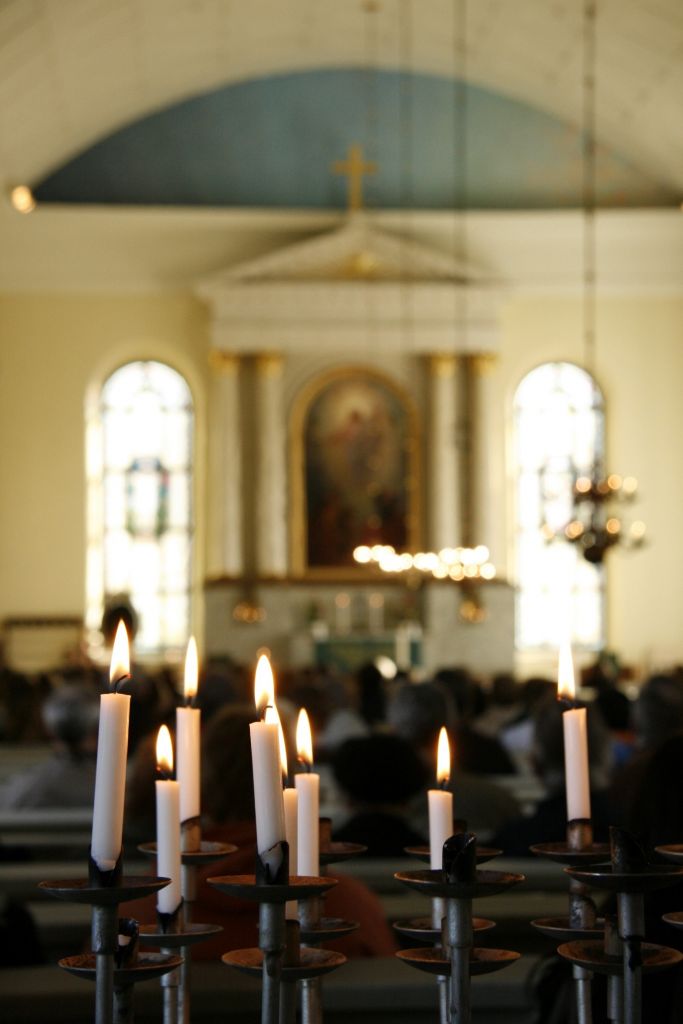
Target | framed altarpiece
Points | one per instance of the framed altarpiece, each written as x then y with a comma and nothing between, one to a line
354,471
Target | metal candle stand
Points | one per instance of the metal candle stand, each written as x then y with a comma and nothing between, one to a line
673,853
629,876
457,959
114,970
579,850
316,930
279,962
177,932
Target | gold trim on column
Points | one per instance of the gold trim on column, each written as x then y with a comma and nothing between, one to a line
270,364
442,364
223,363
484,363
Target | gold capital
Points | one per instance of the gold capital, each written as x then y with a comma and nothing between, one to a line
442,364
269,364
223,363
484,363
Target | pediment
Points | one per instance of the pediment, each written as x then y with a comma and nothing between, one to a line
356,251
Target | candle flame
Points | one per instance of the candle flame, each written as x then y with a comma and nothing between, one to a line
566,687
264,685
119,667
273,715
443,758
304,740
164,750
191,669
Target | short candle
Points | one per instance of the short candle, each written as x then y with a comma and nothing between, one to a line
168,825
308,788
291,803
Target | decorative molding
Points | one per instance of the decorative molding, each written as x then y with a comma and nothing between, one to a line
442,364
270,364
484,363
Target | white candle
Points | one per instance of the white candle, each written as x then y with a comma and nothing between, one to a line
168,826
440,803
112,751
265,756
291,798
576,767
188,738
308,788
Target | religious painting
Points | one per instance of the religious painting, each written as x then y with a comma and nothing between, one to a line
356,468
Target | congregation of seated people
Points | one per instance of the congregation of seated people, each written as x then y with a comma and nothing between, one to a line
375,742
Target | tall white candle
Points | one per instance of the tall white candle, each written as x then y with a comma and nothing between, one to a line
265,756
112,751
440,805
168,826
308,788
188,740
574,723
440,802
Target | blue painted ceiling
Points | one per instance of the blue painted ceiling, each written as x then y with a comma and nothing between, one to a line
270,143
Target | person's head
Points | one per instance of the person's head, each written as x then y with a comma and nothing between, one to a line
417,711
658,711
655,810
379,771
504,690
461,689
70,715
227,783
548,750
371,694
117,610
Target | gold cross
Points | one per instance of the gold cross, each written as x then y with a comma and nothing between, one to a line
354,167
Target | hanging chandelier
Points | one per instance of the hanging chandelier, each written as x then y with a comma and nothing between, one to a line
596,523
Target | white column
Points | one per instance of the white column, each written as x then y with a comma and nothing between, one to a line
488,480
445,527
271,482
225,555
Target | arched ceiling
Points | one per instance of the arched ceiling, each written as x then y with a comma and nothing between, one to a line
74,71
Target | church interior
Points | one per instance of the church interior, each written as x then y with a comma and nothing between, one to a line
346,338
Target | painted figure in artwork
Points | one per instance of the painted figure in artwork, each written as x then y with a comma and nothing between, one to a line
357,447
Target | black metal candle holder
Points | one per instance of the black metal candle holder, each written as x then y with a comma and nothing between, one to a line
180,932
279,959
104,892
458,959
630,877
582,921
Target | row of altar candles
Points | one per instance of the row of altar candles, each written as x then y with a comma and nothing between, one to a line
283,812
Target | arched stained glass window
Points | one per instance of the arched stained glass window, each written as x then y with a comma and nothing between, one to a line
559,433
140,501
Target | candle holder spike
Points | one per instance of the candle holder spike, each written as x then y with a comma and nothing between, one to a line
484,853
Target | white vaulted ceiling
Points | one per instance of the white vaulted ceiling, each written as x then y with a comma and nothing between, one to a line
73,71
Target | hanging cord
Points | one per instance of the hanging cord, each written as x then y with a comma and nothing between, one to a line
589,186
370,9
406,104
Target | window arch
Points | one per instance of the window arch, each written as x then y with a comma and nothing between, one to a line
140,515
559,431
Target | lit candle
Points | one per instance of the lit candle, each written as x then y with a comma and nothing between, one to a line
577,775
440,804
265,756
112,751
308,788
188,737
291,801
440,816
168,821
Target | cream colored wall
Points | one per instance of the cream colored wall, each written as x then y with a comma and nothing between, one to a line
52,350
639,366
